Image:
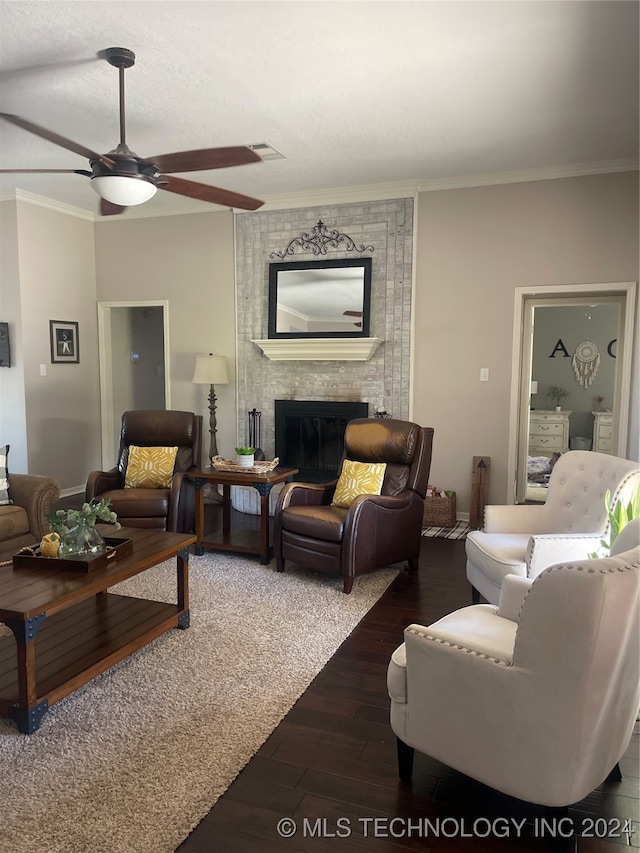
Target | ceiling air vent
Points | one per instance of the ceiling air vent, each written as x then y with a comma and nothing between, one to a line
266,151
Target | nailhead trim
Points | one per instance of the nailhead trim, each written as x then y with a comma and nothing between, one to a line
451,645
476,653
571,567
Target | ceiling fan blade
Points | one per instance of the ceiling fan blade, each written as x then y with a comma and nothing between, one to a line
62,141
205,158
352,313
204,192
108,208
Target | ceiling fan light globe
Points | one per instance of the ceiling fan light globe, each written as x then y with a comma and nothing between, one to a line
125,190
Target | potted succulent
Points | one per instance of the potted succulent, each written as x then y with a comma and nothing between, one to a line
555,393
75,529
244,456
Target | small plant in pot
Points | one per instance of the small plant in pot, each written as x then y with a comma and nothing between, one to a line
73,531
244,456
555,393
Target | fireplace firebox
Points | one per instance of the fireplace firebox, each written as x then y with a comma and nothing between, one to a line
309,435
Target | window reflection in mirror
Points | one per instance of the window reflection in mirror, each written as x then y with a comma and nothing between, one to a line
320,299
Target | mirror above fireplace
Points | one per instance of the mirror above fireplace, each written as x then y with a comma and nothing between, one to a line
320,299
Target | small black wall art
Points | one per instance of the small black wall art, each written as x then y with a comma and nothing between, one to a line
5,346
64,342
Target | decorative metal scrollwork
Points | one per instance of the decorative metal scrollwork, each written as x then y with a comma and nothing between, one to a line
318,241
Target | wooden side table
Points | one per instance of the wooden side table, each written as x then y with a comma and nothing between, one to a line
244,541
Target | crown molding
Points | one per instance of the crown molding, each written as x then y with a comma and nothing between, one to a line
50,204
339,195
544,173
347,195
141,212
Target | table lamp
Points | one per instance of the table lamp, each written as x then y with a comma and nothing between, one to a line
211,370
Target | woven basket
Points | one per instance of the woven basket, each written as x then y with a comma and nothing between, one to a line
439,511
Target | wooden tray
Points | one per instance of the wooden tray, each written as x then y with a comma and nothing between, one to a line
81,563
231,465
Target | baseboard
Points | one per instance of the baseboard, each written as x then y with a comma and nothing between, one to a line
73,490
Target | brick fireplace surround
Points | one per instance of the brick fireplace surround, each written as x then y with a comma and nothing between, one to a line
382,380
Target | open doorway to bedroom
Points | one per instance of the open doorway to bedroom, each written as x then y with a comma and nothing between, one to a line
133,343
613,337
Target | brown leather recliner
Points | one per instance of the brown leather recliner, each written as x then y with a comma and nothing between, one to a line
169,509
376,530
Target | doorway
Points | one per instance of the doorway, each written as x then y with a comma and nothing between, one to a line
133,345
582,298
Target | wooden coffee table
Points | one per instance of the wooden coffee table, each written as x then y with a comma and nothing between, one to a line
244,541
68,628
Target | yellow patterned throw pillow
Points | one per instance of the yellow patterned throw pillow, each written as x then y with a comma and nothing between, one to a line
358,478
150,467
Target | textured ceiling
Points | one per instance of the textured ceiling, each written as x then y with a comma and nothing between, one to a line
352,93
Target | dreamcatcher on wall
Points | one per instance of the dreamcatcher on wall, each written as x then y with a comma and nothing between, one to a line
585,361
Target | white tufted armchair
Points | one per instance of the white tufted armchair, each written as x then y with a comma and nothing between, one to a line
537,697
525,539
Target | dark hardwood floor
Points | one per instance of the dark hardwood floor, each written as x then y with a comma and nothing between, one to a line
330,766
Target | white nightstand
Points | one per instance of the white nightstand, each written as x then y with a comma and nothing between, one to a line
548,432
603,432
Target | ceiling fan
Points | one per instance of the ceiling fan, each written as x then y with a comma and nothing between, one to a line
353,314
123,179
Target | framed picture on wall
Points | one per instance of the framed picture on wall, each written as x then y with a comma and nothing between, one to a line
64,342
5,346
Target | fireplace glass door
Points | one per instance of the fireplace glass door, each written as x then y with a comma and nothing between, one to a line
310,435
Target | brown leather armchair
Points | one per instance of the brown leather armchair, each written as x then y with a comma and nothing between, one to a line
166,509
375,530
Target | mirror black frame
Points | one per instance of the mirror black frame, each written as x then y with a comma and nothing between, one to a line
276,269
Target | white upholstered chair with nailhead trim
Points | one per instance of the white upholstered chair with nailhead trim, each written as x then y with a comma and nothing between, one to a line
525,539
536,697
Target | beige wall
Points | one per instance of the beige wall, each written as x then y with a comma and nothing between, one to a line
474,246
56,272
189,261
13,424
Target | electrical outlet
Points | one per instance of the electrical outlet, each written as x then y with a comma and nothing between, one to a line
484,374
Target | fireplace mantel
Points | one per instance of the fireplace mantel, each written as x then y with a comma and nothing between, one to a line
319,349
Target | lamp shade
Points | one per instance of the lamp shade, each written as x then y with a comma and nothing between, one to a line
125,190
210,370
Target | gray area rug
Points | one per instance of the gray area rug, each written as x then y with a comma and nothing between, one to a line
134,760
